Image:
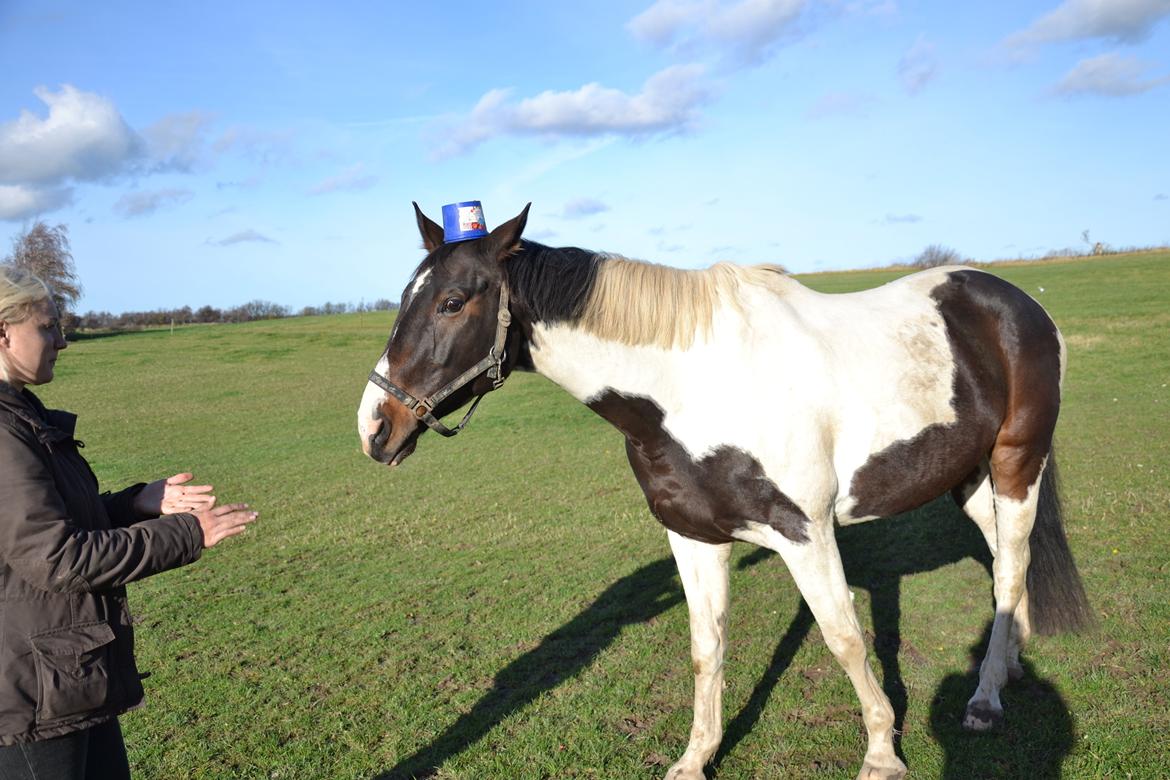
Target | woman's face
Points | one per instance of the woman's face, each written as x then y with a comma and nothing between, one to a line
29,348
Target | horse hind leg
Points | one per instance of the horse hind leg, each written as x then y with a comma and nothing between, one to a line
816,567
976,498
1015,476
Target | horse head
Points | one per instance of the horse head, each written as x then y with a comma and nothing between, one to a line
452,340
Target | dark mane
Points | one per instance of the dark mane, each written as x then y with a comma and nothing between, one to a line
551,284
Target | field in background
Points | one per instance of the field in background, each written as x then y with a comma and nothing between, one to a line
504,606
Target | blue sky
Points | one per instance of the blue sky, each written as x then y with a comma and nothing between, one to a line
220,152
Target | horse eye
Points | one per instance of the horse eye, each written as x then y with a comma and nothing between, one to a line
452,306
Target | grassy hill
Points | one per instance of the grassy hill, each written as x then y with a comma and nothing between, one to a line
504,606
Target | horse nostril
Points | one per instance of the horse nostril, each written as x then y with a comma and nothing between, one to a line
379,432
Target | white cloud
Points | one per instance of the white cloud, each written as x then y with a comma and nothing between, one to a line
137,204
83,138
19,202
261,146
918,66
583,207
1110,75
902,219
352,179
245,236
668,103
1122,21
248,183
177,141
746,31
662,22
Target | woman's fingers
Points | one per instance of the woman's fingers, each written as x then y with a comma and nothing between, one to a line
181,497
222,522
194,490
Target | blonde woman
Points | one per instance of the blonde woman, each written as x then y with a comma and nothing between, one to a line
66,554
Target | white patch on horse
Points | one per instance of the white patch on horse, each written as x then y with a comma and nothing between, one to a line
837,377
1011,626
419,281
372,397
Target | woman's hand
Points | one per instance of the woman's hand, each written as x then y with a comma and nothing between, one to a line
173,494
221,522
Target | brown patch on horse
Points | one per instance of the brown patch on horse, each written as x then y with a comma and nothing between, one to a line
1006,396
706,499
1032,373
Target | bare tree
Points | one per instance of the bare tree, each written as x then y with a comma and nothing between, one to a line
44,251
936,255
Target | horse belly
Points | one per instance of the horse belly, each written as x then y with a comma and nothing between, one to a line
910,473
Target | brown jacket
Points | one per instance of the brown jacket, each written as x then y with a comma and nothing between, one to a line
66,554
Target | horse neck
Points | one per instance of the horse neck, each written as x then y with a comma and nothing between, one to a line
550,285
550,288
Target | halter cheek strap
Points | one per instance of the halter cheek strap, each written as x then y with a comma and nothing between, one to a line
493,364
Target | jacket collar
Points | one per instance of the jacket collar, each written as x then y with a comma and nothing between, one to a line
48,424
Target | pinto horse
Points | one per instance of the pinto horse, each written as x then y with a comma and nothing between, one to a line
878,401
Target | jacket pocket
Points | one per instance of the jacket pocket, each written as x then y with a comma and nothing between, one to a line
73,670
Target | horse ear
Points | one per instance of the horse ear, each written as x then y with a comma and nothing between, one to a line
432,234
505,239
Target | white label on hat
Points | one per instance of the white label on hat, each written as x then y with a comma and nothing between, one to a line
471,219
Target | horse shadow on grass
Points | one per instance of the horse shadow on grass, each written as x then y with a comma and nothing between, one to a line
876,557
1030,744
1037,732
635,598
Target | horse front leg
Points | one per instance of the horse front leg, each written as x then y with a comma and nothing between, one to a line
703,569
816,567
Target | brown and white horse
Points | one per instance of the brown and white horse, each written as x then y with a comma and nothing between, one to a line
877,402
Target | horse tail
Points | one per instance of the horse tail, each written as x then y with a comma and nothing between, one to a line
1056,598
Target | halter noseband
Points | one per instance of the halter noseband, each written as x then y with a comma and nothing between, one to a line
493,363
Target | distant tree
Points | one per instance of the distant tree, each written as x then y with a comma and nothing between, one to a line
936,255
70,322
44,251
262,310
208,314
384,304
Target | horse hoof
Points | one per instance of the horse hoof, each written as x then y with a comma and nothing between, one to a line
981,717
679,772
870,772
1015,672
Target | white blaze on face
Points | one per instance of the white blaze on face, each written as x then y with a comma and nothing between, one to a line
419,281
372,398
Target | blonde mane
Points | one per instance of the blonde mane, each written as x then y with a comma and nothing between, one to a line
638,303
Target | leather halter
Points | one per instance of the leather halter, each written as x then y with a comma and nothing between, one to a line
423,408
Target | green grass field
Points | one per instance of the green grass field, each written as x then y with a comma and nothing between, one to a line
504,606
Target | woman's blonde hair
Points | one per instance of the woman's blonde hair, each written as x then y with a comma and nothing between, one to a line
20,291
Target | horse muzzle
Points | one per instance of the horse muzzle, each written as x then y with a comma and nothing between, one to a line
381,444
